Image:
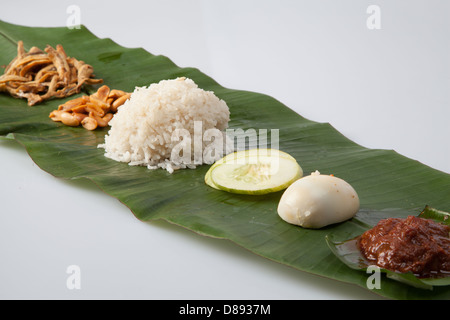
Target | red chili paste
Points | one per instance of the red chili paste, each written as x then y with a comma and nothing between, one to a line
416,245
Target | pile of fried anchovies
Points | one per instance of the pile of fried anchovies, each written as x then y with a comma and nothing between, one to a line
37,75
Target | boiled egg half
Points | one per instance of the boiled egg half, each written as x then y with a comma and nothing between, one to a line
318,200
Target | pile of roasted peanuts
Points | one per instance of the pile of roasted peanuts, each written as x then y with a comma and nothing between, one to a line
91,111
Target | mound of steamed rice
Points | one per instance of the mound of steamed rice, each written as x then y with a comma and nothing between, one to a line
142,131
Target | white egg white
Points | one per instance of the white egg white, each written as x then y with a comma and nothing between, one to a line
318,200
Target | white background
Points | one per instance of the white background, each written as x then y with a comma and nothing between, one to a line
386,88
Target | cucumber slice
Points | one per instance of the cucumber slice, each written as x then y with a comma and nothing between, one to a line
209,181
256,171
240,155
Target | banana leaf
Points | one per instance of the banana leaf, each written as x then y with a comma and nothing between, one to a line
388,184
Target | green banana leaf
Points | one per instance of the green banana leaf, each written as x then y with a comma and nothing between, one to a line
388,184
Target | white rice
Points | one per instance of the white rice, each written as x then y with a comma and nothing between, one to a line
143,131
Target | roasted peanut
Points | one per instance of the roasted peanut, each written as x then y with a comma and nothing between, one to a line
120,101
102,121
68,119
89,123
92,111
